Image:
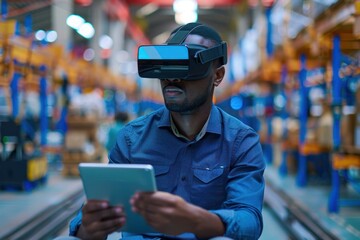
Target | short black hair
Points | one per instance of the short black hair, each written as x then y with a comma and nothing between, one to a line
203,30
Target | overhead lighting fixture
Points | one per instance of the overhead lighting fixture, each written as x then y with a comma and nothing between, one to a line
105,42
185,5
185,11
183,18
40,35
86,30
51,36
75,21
89,54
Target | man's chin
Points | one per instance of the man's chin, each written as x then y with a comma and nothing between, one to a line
173,107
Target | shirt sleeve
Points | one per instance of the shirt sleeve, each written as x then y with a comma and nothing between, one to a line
75,224
120,152
240,224
241,212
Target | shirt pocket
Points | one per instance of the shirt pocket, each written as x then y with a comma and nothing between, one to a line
207,175
208,187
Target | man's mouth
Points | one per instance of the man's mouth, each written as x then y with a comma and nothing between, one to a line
172,91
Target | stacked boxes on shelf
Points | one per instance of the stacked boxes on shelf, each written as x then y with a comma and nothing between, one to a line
81,144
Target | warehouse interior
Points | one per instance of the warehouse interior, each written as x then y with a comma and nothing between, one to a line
293,73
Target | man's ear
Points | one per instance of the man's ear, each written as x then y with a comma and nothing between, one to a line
219,75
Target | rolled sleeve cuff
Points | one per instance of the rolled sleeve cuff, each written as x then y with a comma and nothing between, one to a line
239,224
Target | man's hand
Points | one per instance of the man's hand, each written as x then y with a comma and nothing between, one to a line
170,214
99,219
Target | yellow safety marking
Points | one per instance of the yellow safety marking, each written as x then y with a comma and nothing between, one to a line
289,145
344,161
20,54
56,51
37,168
7,28
38,58
357,7
311,148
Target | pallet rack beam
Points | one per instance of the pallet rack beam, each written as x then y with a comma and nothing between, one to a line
329,20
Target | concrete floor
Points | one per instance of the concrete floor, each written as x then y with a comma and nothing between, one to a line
313,198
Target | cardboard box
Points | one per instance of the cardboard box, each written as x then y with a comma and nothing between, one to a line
75,140
324,132
347,130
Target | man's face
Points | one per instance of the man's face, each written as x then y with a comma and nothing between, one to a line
186,96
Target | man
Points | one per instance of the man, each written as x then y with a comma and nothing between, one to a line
208,165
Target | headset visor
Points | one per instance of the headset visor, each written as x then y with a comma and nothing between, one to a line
163,61
187,62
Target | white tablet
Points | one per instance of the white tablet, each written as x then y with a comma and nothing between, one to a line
117,183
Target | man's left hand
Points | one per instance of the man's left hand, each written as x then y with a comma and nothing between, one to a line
166,213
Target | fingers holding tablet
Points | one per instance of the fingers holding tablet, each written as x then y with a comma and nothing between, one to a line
100,219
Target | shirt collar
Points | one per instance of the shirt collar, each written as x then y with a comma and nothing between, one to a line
213,124
178,134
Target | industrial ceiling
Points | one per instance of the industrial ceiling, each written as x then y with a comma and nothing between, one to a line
150,18
147,20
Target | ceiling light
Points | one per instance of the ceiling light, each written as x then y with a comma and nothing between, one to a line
40,35
89,54
105,42
185,5
74,21
185,17
86,30
51,36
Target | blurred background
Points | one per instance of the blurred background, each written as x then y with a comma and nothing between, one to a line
68,83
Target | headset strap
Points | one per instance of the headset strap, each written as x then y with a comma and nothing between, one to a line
204,56
210,54
180,36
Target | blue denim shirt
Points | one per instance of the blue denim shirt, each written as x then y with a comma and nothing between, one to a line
221,172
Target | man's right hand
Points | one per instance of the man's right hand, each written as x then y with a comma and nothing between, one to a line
100,219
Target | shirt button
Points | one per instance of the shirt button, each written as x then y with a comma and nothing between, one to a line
183,178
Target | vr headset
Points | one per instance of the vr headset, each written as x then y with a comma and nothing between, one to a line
177,60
